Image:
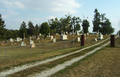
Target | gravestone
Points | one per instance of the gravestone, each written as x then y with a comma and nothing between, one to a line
11,40
78,39
64,37
51,37
32,44
23,44
77,33
54,40
18,39
100,36
39,34
95,39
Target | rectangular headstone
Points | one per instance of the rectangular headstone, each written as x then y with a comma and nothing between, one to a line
64,37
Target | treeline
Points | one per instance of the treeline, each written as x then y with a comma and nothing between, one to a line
65,24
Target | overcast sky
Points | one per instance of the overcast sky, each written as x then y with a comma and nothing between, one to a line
14,12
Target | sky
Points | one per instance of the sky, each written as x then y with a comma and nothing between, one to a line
14,12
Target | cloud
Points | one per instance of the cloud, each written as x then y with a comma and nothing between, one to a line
52,5
12,4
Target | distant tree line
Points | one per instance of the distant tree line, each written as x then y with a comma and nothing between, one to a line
65,24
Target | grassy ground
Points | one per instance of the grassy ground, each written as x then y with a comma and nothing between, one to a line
104,63
21,55
40,68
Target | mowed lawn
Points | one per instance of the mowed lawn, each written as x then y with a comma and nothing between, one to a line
104,63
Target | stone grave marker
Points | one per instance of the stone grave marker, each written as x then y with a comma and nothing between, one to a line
95,39
77,33
51,37
32,44
64,37
78,39
23,44
54,40
100,36
11,40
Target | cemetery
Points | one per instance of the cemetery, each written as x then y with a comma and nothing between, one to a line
60,48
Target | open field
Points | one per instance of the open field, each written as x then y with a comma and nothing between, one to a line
103,63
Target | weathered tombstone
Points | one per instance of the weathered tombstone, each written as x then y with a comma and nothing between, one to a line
77,33
32,44
100,36
82,40
54,40
78,39
39,34
64,37
95,39
23,44
11,40
18,39
112,40
51,37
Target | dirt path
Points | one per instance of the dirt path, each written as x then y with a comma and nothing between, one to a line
67,63
23,67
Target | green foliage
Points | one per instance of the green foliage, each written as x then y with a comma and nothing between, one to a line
85,25
96,21
75,23
36,29
45,29
31,28
23,30
101,23
2,29
106,27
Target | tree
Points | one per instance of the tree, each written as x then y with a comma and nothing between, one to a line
23,30
31,28
45,29
2,29
75,23
65,22
85,25
36,29
96,21
53,25
106,27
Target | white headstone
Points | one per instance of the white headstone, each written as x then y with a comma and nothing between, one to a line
31,42
78,39
23,44
100,37
64,37
11,40
77,33
54,40
51,37
18,39
95,39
